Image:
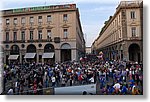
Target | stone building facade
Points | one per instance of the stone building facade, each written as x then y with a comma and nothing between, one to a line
121,38
42,34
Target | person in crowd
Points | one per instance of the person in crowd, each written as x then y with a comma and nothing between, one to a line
10,91
111,78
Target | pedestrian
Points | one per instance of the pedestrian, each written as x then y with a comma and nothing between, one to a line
135,89
91,80
40,86
53,81
10,91
117,88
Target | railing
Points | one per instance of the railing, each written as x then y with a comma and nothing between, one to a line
23,41
41,40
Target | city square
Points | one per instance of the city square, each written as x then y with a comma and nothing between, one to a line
44,52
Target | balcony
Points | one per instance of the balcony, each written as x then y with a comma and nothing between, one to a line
56,40
39,40
18,41
7,41
135,38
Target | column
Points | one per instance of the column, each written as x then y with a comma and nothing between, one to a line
125,52
4,57
8,57
37,56
57,55
20,56
73,54
42,60
42,54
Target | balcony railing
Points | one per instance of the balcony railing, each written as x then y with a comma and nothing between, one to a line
7,41
56,40
40,40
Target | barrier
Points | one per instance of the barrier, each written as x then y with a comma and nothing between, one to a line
44,91
76,90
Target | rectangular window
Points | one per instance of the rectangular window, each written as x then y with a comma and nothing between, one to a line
119,33
23,35
40,34
15,21
65,33
132,14
7,21
49,18
65,17
15,36
48,34
7,36
31,35
23,20
119,18
40,19
133,31
31,19
123,13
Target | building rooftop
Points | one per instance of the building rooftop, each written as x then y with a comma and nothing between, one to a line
39,8
135,3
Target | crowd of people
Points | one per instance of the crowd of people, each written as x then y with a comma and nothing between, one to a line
113,77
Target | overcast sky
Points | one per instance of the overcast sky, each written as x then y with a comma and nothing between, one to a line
93,13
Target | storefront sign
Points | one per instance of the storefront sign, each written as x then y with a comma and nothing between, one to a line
20,10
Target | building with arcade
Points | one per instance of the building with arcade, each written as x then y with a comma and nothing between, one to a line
121,38
42,34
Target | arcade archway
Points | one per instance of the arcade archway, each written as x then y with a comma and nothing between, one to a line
31,53
49,54
65,52
134,52
14,54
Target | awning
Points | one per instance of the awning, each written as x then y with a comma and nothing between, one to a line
29,55
13,57
48,55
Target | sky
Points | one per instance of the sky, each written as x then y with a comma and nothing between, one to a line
93,13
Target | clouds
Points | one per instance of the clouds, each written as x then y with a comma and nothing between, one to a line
93,13
91,32
93,17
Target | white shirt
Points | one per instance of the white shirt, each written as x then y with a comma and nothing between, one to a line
127,69
110,69
53,79
10,91
16,84
133,88
92,80
117,86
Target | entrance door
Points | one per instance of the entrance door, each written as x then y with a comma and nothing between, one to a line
65,52
65,55
134,53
